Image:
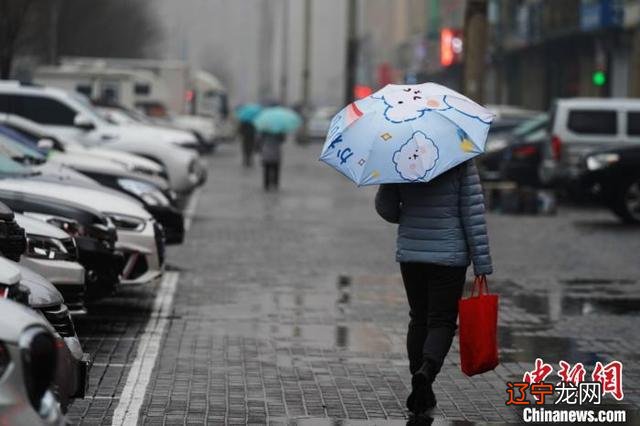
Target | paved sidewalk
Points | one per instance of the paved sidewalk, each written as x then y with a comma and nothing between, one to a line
290,307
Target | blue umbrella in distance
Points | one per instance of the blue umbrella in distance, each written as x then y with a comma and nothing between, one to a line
247,112
277,120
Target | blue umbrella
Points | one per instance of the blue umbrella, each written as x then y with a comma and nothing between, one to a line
277,120
405,133
247,112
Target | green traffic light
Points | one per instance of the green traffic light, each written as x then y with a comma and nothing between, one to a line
599,78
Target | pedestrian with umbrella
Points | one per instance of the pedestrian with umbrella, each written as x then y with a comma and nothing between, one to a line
273,124
245,115
417,142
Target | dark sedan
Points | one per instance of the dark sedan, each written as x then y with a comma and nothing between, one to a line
613,175
517,157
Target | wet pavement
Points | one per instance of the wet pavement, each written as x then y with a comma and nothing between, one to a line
290,309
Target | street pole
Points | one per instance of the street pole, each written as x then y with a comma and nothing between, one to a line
475,48
285,52
634,89
54,17
306,69
352,51
266,52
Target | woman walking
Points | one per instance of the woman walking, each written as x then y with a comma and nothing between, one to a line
441,230
271,158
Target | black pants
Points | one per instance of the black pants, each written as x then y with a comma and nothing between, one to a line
248,148
271,175
433,292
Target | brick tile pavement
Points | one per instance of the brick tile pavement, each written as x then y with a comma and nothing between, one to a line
290,308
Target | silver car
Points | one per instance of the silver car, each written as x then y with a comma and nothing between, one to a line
27,366
31,289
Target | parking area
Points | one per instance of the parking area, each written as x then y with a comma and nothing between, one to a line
289,309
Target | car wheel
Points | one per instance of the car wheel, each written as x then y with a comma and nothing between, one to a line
627,202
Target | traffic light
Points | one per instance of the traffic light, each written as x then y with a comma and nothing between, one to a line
599,78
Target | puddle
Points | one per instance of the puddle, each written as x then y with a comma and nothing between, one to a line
578,297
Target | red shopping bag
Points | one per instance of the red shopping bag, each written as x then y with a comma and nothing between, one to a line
478,329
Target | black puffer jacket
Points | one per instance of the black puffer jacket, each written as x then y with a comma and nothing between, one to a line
441,221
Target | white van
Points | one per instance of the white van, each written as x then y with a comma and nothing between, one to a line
580,126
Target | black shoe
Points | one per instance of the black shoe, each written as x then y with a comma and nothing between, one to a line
422,397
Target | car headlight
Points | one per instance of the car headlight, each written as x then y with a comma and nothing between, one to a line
127,223
70,226
41,247
5,359
601,161
146,192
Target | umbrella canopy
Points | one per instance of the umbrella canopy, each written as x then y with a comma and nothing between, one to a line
277,120
405,133
247,112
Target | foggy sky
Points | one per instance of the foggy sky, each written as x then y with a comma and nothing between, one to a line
226,37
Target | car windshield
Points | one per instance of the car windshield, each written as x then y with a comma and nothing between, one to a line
536,123
9,168
18,145
87,108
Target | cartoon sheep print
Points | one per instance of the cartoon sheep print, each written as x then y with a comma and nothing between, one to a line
416,157
410,102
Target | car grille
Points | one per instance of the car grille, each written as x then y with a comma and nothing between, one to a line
59,318
72,249
158,233
13,241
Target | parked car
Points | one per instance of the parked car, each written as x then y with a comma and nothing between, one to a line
140,237
94,233
27,365
133,163
202,128
519,155
580,126
71,115
153,193
507,118
71,377
52,253
613,175
319,121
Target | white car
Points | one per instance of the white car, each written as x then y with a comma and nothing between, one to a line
202,127
140,238
132,162
51,252
71,115
27,355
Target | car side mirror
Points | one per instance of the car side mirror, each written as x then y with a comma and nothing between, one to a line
83,122
46,144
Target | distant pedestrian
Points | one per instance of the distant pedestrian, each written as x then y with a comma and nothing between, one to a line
271,144
248,135
441,230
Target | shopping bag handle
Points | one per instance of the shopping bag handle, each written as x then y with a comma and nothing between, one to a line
480,283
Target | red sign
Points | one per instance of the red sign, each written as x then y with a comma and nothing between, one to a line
450,46
361,91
